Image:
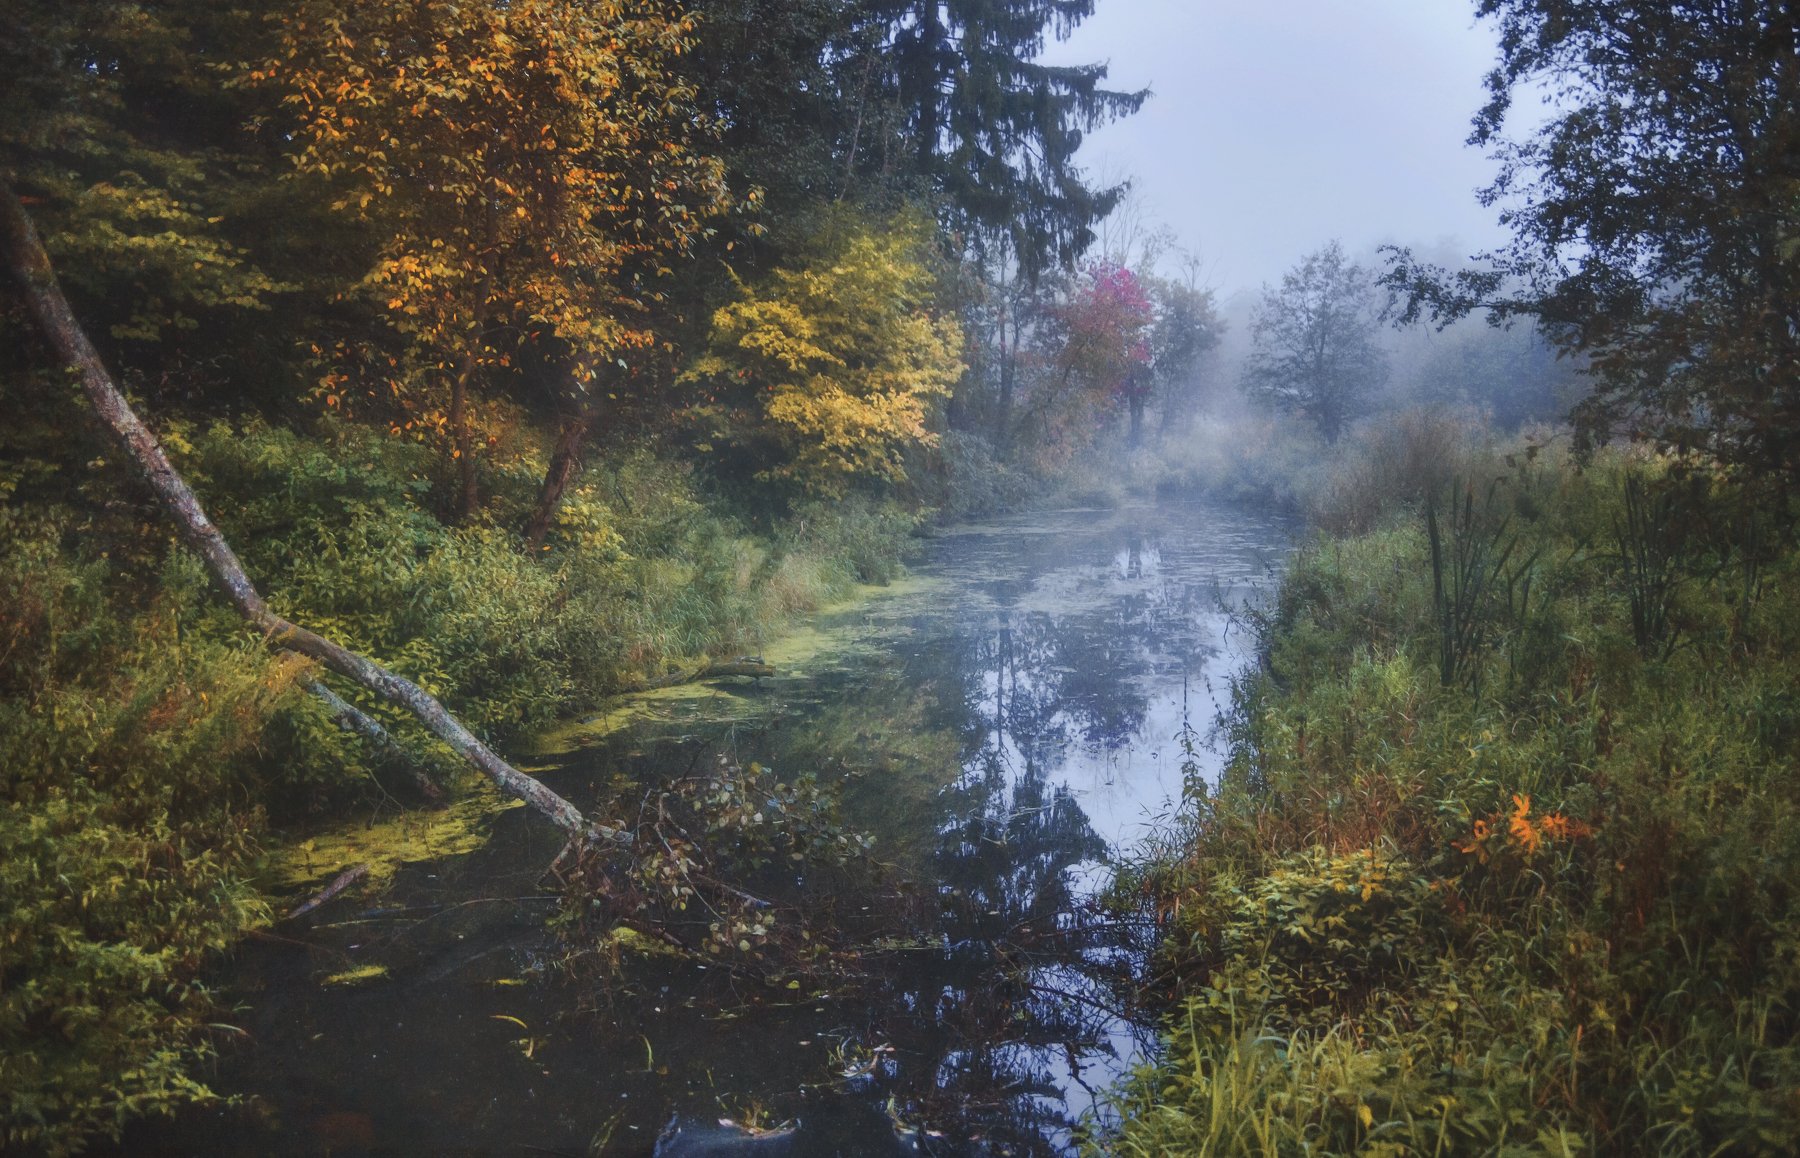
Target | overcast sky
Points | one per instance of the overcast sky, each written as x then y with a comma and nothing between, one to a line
1276,126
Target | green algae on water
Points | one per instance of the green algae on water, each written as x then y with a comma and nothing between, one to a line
408,837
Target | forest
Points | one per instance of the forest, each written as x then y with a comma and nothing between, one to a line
387,385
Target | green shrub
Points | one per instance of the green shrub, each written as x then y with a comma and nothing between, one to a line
128,837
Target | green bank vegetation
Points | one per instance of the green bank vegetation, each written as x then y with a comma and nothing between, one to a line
1503,860
150,746
1503,857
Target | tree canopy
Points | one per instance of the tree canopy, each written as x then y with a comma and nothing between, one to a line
528,168
944,100
1653,215
840,360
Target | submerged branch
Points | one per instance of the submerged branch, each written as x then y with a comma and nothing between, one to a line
338,884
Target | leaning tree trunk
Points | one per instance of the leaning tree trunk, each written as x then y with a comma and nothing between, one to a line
43,298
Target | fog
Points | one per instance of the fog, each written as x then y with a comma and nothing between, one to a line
1274,129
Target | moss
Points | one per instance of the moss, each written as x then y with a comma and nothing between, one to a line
626,940
360,975
300,864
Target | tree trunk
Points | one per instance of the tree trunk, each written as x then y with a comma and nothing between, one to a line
468,498
565,465
43,298
1009,361
351,718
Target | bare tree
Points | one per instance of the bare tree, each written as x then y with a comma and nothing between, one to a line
1313,341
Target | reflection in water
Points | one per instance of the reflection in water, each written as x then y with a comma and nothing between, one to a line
1000,729
1057,687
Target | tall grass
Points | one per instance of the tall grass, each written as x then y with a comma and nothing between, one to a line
1545,906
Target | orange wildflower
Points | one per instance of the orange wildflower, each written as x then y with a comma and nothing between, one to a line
1523,833
1476,845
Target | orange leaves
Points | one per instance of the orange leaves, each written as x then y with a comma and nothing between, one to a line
1555,826
1520,828
535,108
1521,832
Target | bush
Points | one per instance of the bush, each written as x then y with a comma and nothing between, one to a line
128,832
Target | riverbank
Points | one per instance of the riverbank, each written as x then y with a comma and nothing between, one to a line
1503,853
153,750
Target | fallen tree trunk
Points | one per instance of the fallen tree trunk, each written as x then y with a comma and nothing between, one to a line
721,669
338,884
43,298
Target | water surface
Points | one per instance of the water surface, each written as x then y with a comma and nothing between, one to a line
1005,722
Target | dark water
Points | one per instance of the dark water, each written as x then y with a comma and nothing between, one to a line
1004,722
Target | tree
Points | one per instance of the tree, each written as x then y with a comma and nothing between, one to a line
1092,352
939,99
529,167
119,134
838,362
1654,216
1187,328
1313,341
994,130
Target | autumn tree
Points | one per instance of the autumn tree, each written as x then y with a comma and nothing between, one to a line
1090,356
1313,347
1653,216
529,168
834,366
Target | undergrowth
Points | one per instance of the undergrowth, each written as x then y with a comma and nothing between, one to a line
150,745
1503,859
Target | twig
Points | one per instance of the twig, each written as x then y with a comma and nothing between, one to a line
339,883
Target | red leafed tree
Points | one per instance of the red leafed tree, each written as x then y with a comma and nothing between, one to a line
1095,355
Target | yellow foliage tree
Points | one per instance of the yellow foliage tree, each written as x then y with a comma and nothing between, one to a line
529,167
844,356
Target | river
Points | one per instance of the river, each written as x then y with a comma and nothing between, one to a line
1018,712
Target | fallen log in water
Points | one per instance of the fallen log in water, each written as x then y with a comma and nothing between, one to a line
719,669
338,884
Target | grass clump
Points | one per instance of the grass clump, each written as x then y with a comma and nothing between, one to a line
1503,858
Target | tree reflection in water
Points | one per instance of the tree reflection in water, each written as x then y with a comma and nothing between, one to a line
1005,1033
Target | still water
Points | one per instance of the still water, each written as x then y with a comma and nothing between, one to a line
1007,722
